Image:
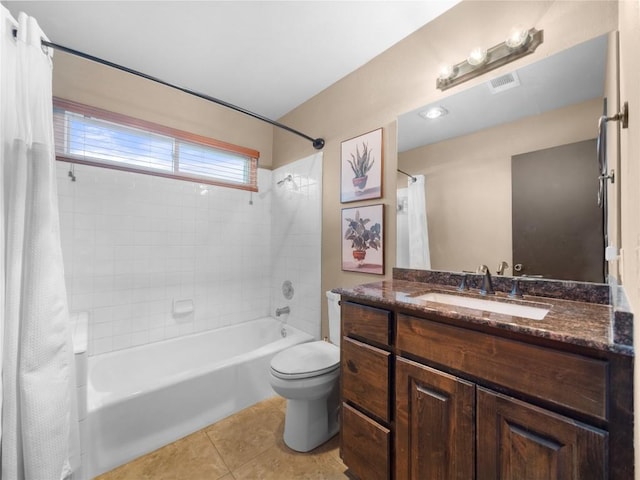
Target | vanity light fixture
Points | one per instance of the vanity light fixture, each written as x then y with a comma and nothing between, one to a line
520,42
434,112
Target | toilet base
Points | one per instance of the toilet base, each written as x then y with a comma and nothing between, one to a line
310,423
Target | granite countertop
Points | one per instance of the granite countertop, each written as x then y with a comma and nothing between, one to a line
581,323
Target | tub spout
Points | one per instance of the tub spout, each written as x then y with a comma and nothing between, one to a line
280,311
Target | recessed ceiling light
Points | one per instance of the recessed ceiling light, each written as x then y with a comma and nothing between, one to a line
434,112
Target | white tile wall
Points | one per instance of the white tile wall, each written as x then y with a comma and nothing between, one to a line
134,243
296,242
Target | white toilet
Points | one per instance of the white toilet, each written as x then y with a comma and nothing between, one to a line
307,376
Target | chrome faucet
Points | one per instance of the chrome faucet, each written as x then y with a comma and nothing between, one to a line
280,311
487,287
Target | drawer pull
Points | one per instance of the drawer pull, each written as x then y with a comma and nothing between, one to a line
352,366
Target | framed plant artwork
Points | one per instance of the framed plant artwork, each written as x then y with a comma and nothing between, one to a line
363,239
361,167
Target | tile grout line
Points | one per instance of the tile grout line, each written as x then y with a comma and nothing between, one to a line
271,410
229,472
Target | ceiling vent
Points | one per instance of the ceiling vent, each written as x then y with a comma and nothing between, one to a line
504,82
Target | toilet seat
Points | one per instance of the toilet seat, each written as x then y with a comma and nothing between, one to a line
306,360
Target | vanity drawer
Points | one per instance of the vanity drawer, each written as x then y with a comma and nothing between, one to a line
367,323
567,380
365,445
365,377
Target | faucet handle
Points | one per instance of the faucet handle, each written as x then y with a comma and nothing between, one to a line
515,289
463,283
502,266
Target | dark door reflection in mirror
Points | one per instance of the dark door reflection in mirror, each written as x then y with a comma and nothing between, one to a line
466,156
556,223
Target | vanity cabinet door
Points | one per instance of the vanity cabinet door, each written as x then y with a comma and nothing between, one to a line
435,428
518,441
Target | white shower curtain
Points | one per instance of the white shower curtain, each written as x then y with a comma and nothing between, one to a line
419,256
39,432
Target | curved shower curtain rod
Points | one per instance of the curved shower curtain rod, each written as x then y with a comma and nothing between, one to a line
318,143
413,179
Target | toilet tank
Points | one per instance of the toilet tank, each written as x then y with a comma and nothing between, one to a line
333,300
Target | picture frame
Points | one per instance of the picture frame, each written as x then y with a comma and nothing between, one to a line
361,167
363,239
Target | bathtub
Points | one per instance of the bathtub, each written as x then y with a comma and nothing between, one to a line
142,398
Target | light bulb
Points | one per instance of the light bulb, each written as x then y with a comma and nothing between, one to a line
477,56
446,72
517,38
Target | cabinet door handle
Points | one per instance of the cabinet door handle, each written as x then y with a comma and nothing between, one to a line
352,366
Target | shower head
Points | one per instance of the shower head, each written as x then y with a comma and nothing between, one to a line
288,178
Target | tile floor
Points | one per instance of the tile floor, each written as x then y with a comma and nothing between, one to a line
244,446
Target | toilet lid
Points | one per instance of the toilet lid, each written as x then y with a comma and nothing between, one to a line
306,360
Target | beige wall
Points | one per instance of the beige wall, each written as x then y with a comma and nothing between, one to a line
104,87
468,183
630,174
403,78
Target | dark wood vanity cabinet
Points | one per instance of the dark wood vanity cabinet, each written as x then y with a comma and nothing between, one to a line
366,363
428,399
449,428
473,405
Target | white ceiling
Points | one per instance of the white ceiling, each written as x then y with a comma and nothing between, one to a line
265,56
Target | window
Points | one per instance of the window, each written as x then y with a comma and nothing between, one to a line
96,137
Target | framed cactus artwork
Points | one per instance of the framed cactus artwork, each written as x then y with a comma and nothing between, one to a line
361,167
362,239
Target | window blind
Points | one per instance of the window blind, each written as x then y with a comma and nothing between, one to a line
97,137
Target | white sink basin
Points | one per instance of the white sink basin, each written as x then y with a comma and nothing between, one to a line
514,309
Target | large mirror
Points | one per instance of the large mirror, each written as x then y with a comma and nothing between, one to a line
511,170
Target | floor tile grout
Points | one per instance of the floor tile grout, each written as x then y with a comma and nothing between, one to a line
218,452
248,459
